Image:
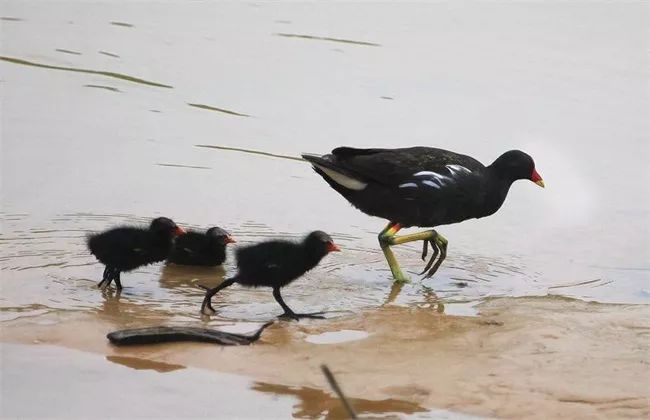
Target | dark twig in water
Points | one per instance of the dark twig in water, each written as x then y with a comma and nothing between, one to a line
325,38
155,335
214,108
254,152
337,389
88,71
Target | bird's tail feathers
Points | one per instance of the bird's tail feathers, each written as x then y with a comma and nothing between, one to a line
327,167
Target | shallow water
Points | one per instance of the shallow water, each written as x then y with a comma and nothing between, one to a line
114,114
126,390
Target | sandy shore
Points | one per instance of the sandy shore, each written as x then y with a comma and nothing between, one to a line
522,357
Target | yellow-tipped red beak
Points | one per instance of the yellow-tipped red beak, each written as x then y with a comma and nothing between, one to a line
537,178
332,247
179,231
230,240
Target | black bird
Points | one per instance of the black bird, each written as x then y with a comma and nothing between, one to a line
421,186
276,264
127,248
196,248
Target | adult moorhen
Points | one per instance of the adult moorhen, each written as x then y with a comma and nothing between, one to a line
421,186
127,248
196,248
276,264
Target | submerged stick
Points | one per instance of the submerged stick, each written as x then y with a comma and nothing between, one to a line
337,389
155,335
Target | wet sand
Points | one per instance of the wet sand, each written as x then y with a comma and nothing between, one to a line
521,357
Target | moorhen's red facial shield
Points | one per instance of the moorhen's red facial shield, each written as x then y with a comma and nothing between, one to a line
536,178
332,247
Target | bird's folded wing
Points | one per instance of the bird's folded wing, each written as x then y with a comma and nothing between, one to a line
415,173
393,167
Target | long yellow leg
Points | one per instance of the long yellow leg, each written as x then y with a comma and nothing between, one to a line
387,237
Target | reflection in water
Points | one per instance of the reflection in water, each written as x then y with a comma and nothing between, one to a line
77,70
144,364
177,276
110,306
430,297
324,38
395,289
212,108
315,403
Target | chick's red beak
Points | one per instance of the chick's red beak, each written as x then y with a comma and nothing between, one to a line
536,178
230,240
179,231
332,247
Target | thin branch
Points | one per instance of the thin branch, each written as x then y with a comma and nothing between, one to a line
337,389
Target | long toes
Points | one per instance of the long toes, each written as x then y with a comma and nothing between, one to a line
426,267
285,315
431,272
436,252
435,267
430,263
425,249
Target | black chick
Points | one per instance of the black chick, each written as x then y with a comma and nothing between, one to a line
275,264
196,248
127,248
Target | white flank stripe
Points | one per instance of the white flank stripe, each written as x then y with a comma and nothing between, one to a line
427,173
455,169
431,184
409,185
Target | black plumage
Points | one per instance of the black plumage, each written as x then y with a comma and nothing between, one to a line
127,248
422,186
275,264
196,248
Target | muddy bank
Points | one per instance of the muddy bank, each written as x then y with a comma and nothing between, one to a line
521,357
